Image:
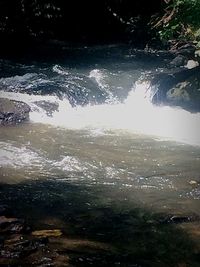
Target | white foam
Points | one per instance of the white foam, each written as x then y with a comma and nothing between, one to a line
69,163
99,76
137,114
17,157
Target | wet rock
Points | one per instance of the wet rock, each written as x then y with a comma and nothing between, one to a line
13,239
6,254
178,61
197,53
49,107
85,90
179,219
192,64
183,53
178,93
12,225
48,257
187,50
180,88
34,251
176,219
4,221
20,247
13,112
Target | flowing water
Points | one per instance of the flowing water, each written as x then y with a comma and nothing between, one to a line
98,160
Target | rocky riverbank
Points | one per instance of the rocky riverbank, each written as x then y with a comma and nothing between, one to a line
179,85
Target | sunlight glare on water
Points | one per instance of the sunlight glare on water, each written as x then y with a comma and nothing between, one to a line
136,114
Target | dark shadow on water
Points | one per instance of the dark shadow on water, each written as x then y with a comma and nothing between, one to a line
137,236
114,57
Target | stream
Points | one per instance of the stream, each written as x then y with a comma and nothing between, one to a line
99,161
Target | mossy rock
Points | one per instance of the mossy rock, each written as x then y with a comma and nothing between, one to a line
186,94
180,88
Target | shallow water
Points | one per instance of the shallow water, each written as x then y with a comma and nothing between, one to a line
113,187
115,173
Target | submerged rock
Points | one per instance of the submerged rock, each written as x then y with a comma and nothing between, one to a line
178,61
47,233
179,219
20,247
187,50
12,225
49,108
13,112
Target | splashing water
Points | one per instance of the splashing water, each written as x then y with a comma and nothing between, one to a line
136,114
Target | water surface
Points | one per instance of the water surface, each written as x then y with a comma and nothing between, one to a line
99,161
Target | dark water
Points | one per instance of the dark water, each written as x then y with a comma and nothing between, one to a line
98,172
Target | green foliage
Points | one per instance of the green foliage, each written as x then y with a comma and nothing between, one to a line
180,21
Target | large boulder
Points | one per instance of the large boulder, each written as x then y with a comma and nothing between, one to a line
187,50
13,112
180,88
183,52
178,61
186,94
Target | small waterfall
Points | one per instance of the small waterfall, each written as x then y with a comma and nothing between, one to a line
99,77
136,114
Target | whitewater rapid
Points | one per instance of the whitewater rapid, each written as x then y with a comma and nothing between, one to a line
136,114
